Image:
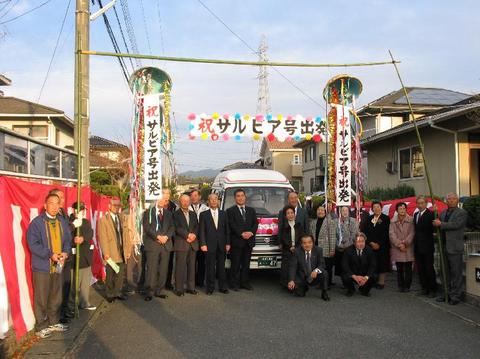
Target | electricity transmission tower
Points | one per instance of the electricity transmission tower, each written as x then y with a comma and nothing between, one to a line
263,98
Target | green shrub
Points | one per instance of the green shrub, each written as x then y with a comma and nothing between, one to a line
385,194
472,206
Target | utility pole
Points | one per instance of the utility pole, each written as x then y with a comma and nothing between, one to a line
81,94
82,88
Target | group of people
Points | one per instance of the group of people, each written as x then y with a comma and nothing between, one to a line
185,247
362,253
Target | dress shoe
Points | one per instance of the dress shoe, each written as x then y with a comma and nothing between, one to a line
192,291
64,320
366,294
161,295
349,293
440,299
110,299
246,286
179,294
224,291
432,295
209,292
406,290
122,297
69,315
235,289
169,287
423,292
401,290
453,301
148,298
325,296
380,286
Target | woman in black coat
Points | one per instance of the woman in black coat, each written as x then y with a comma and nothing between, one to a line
376,227
289,238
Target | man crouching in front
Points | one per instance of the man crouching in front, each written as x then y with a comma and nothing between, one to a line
307,269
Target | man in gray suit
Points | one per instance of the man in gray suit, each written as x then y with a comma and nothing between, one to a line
452,224
158,233
185,246
301,215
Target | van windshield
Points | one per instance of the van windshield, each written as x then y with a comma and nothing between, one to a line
267,201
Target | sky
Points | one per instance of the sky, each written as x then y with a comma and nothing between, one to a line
436,41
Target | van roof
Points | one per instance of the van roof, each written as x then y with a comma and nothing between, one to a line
250,176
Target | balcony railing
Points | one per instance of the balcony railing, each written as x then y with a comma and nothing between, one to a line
24,156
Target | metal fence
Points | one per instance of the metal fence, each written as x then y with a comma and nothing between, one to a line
24,156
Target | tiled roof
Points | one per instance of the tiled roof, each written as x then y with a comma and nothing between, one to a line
279,145
100,142
4,81
17,106
419,97
423,121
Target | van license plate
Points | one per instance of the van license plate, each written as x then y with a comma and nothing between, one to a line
267,261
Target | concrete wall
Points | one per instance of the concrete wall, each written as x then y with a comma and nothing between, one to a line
440,156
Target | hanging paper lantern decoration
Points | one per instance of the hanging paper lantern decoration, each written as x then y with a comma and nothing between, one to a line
215,116
204,136
226,137
191,116
259,118
238,137
271,137
316,138
238,116
256,137
226,116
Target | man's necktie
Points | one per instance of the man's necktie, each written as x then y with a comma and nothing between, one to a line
309,263
160,216
118,229
215,218
243,213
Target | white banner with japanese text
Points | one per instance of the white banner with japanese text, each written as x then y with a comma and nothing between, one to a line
152,147
343,157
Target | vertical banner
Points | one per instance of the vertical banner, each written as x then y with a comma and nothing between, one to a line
343,157
152,147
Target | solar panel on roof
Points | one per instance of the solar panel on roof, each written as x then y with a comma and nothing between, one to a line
432,97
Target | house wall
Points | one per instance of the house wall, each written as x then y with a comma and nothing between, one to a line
440,156
308,167
65,135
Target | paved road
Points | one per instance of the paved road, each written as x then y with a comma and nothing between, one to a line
270,323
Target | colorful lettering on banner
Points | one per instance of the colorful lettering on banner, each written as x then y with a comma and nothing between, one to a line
343,157
239,126
152,147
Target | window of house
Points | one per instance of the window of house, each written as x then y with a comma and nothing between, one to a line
39,132
296,159
312,153
305,153
312,184
411,162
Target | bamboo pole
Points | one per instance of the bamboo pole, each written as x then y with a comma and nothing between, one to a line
231,62
427,177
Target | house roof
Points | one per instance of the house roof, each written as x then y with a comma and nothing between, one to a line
16,106
279,145
438,116
420,97
98,142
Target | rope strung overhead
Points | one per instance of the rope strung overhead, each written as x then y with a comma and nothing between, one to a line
235,62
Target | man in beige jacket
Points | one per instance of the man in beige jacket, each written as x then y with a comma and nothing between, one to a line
110,234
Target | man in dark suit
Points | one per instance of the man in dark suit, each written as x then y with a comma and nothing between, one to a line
307,268
185,246
452,223
243,224
214,242
424,247
158,231
301,215
198,207
358,264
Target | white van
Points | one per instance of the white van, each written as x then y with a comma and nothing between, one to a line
267,193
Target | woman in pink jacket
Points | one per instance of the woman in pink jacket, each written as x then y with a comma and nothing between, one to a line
402,231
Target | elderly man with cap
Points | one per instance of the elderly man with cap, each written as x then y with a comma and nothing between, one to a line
111,242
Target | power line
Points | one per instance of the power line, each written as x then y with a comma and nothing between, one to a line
123,36
25,13
145,26
9,9
256,53
114,42
130,30
160,27
54,51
